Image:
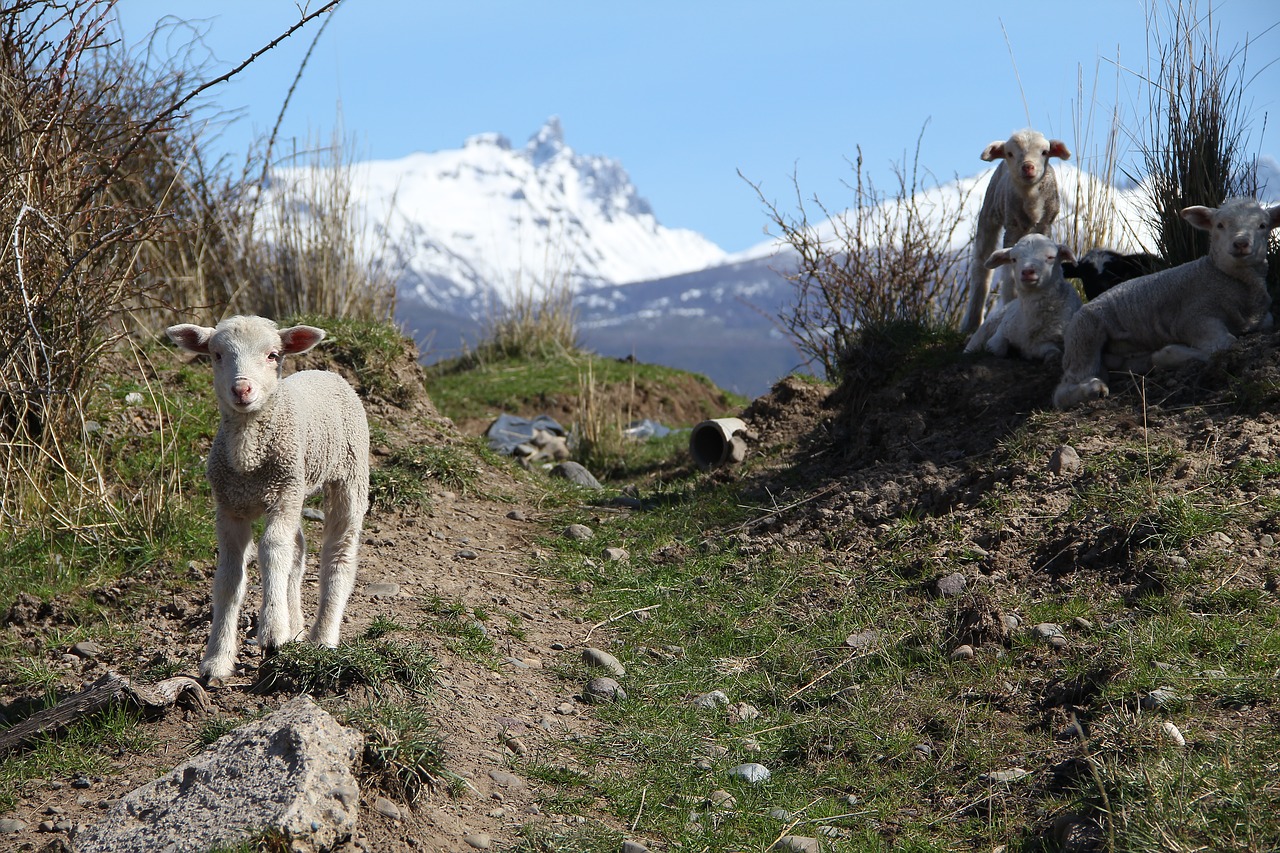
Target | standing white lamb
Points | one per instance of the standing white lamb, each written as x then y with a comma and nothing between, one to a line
1182,314
1021,199
1033,323
278,442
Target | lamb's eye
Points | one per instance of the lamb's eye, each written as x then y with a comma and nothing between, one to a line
217,356
273,356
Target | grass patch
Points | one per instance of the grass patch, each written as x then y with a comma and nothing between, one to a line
375,663
404,751
463,629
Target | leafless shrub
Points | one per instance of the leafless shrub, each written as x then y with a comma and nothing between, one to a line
888,259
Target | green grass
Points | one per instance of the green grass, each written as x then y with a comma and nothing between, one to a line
404,751
375,663
463,391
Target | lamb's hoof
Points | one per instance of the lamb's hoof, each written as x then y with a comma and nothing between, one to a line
1069,394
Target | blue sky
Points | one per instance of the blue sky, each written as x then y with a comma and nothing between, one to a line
688,93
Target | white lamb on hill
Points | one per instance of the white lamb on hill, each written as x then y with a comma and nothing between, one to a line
1021,199
1033,323
1182,314
279,440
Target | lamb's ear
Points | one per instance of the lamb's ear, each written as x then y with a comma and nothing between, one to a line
1058,148
1199,216
1273,215
998,258
994,151
298,339
1065,255
190,337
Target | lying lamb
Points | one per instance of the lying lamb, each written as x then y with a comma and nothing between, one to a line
1099,270
1032,323
1021,199
278,442
1182,314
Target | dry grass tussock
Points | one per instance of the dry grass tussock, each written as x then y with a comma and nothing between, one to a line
114,224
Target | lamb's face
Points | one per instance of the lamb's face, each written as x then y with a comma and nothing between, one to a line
1033,259
246,362
246,354
1238,231
1026,154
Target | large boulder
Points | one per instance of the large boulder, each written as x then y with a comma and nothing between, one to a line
290,772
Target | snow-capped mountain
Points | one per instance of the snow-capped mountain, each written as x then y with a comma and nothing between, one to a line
489,222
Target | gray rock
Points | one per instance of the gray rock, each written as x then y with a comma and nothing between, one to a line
507,780
478,841
950,586
603,689
580,532
1161,697
286,771
1046,631
862,639
517,515
714,699
1013,774
86,649
743,712
603,660
382,590
10,825
963,652
386,808
1065,461
1078,834
797,844
629,846
576,474
616,555
751,773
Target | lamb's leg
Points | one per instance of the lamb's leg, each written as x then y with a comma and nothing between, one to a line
299,568
984,243
343,517
1214,338
234,538
277,561
1082,366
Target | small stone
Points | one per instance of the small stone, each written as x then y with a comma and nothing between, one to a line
515,745
780,814
1161,697
964,652
1046,630
80,783
1011,775
566,709
616,555
382,590
516,515
603,660
578,532
797,844
133,398
603,689
9,825
1173,733
45,826
862,639
312,514
1011,622
950,586
467,554
751,773
576,474
1059,642
386,808
86,649
507,780
1065,461
923,750
743,712
1082,623
714,699
722,800
478,841
629,846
